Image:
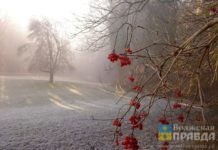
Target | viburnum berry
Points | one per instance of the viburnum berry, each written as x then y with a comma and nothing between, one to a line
135,122
116,142
143,114
177,93
128,50
130,143
176,105
180,118
163,121
212,10
124,60
164,145
134,119
131,78
132,102
120,133
140,126
116,122
113,57
137,88
135,104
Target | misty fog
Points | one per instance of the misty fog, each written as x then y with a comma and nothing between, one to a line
88,65
108,74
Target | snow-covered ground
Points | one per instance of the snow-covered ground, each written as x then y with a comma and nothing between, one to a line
36,115
64,116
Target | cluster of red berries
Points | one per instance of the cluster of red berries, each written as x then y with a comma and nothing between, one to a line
180,118
177,93
128,50
116,123
213,11
135,122
163,121
116,142
176,105
113,57
164,145
137,88
124,60
135,103
130,143
119,133
131,78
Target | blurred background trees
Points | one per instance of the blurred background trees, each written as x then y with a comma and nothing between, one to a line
176,40
10,38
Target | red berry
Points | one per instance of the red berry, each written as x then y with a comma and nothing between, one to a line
177,93
212,10
128,50
180,118
124,60
163,121
137,105
116,142
176,105
137,88
116,123
164,145
132,102
135,122
113,57
140,126
132,119
120,134
130,143
131,78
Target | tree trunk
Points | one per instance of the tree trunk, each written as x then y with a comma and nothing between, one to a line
51,62
51,76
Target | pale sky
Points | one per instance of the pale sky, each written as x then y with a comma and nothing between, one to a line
21,11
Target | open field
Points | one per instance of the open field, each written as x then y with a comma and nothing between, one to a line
66,115
36,115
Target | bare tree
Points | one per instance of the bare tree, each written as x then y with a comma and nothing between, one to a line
50,51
